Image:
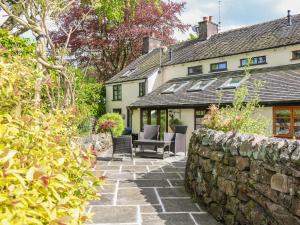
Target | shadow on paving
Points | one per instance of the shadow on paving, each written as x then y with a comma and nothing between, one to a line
146,191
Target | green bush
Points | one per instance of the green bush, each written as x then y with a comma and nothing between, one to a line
242,116
44,178
118,121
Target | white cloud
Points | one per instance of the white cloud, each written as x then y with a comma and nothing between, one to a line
284,5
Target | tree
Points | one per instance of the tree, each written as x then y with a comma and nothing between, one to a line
57,83
104,46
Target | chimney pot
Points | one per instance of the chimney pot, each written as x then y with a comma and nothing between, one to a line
205,18
210,18
289,18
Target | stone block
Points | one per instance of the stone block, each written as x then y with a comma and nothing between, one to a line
232,204
217,156
204,152
296,206
279,182
242,163
216,211
227,186
207,165
229,219
218,196
281,215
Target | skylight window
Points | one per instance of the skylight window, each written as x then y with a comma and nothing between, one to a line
128,73
201,85
232,83
175,87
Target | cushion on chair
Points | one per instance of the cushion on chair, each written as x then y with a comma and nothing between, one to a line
151,132
180,129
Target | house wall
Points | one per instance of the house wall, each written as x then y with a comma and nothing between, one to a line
186,116
275,57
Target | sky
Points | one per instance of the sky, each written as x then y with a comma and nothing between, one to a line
235,13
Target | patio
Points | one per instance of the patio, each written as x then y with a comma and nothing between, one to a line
145,192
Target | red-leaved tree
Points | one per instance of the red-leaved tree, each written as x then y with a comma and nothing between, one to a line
103,47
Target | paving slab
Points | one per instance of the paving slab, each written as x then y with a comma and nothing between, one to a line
179,205
167,219
157,176
143,183
115,214
144,192
172,192
137,196
205,219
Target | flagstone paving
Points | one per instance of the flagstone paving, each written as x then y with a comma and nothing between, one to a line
145,192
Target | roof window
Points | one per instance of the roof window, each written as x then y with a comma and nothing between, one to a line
128,73
201,85
175,87
232,83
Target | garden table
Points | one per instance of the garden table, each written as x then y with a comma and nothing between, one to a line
157,143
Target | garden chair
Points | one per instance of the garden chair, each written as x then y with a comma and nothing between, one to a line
178,139
151,132
121,144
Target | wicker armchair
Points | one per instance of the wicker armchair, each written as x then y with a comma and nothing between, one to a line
151,132
122,144
178,139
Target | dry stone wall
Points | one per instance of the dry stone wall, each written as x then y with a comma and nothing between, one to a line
245,179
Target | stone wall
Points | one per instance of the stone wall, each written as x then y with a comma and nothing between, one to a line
245,179
98,142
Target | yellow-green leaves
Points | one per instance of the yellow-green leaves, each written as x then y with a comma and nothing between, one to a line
44,179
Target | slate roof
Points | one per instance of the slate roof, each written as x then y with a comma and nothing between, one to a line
261,36
280,85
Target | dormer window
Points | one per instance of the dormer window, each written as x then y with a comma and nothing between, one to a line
201,85
128,73
174,87
217,67
232,83
296,54
195,70
259,60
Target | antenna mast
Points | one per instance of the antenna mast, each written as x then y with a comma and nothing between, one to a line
219,24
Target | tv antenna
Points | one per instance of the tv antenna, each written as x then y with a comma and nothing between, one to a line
219,23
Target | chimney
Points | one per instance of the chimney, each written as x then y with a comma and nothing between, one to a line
150,43
207,28
289,18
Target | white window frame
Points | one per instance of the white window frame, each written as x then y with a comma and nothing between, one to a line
193,88
169,89
227,84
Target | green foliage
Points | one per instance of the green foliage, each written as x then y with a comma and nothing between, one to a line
44,178
173,122
243,116
14,46
90,101
116,119
192,37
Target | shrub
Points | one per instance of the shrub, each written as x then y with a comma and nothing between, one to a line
240,116
44,178
116,119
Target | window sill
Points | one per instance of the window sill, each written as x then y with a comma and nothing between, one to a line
119,100
217,71
254,65
295,59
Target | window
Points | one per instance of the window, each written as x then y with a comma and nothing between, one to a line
195,70
296,54
233,82
201,85
259,60
117,92
142,89
286,122
155,117
129,118
199,115
119,111
215,67
128,73
174,87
